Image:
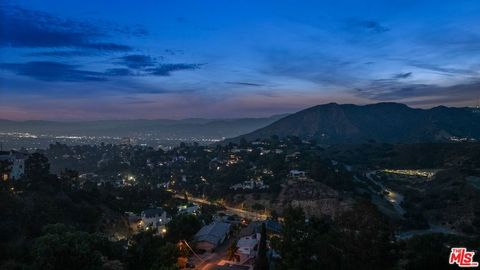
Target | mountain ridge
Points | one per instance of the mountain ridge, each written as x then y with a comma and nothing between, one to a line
384,122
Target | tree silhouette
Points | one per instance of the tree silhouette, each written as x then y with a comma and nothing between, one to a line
37,167
232,253
261,263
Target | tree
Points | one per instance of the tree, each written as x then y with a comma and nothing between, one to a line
37,167
183,227
298,246
68,178
62,247
243,142
426,252
5,168
152,252
232,252
366,238
261,263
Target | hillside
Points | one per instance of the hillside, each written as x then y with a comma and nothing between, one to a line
382,122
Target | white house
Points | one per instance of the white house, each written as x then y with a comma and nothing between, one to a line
154,219
248,247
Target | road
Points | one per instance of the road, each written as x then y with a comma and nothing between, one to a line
433,229
214,258
230,210
393,197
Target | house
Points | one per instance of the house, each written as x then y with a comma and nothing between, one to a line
292,156
297,174
248,247
250,184
231,219
154,219
191,209
17,164
254,227
273,227
211,235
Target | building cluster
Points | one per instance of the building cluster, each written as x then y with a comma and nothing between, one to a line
210,237
250,185
422,173
15,165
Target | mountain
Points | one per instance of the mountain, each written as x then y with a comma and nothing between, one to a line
383,122
160,128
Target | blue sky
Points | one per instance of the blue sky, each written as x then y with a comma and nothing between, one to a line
76,60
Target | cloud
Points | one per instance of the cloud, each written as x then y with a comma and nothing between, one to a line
167,69
137,61
368,25
418,94
63,53
25,28
107,46
172,52
119,72
402,75
53,71
244,83
441,69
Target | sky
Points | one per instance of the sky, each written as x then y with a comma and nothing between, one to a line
90,60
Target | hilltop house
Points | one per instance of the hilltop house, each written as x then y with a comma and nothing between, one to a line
211,235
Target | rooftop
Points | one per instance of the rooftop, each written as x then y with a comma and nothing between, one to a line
152,212
213,232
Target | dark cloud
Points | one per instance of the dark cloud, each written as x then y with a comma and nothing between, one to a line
402,75
368,25
441,69
173,52
107,46
57,71
137,61
53,71
393,90
119,72
63,53
244,83
34,29
167,69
